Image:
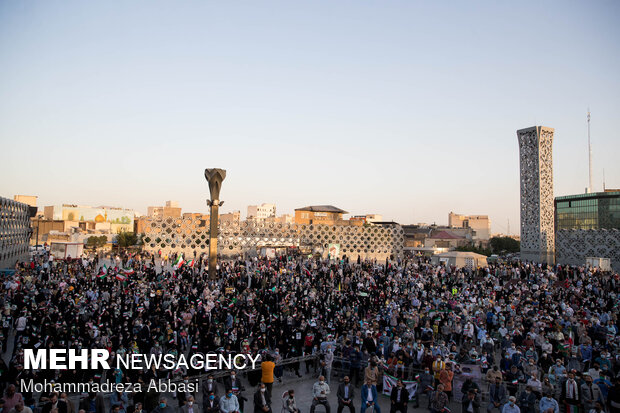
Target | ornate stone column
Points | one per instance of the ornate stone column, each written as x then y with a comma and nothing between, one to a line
214,178
537,213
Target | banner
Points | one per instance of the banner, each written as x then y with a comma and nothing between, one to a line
390,382
467,371
334,251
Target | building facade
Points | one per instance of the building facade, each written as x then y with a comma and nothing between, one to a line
537,214
319,214
480,224
15,232
600,210
171,209
30,200
191,236
260,212
105,218
588,225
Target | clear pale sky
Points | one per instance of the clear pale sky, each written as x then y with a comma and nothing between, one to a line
407,109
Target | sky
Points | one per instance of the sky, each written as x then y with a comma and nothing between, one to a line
402,108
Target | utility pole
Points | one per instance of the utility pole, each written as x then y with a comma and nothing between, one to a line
590,187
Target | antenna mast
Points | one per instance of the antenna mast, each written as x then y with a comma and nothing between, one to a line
590,189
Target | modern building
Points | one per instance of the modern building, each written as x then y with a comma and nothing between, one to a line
319,214
480,224
15,231
588,227
599,210
261,212
537,221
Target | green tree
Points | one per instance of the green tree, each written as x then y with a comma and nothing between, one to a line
126,239
96,242
501,245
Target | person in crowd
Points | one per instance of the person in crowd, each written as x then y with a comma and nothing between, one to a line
346,394
93,403
229,403
439,400
163,406
320,391
470,403
590,394
399,398
527,400
54,403
290,404
548,404
20,408
262,400
511,406
267,368
233,382
497,396
369,397
190,406
211,404
12,397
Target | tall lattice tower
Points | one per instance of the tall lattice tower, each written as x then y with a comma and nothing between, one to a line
537,214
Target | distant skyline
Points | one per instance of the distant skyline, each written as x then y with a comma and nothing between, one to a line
405,109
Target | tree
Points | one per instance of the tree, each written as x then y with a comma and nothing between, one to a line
96,242
92,242
501,245
126,239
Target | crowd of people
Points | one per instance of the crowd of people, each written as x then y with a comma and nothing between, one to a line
543,338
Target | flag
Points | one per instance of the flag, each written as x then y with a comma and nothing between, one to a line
179,262
103,270
446,410
128,271
190,263
307,272
121,277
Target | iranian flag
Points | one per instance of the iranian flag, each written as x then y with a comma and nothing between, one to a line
190,263
121,277
128,271
179,262
103,272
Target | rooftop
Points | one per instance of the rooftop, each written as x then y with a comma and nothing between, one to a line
323,208
445,235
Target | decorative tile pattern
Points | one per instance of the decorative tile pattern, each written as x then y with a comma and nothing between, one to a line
537,213
192,234
574,245
15,232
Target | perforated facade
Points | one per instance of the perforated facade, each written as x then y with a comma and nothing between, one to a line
192,234
537,214
574,245
14,232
